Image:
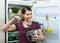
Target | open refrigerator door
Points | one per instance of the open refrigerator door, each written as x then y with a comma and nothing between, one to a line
47,15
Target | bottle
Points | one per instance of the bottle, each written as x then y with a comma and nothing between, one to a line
42,27
48,28
11,13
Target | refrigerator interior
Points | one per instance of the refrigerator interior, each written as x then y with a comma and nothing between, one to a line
12,10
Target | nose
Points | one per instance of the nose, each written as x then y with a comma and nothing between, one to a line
30,16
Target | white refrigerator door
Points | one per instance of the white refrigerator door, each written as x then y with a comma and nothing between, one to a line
40,10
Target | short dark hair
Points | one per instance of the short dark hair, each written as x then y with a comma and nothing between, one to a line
25,8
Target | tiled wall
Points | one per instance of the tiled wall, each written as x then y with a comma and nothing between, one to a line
2,20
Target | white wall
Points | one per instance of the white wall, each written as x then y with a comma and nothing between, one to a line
2,20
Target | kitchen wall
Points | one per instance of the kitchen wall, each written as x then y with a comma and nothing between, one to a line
2,20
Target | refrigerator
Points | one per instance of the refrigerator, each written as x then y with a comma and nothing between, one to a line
44,13
13,8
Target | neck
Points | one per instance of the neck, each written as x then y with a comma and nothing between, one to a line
27,21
